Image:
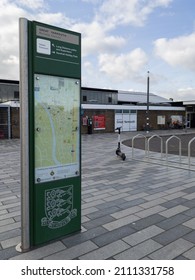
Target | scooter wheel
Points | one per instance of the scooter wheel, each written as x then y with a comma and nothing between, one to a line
123,156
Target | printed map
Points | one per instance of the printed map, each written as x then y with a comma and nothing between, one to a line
57,136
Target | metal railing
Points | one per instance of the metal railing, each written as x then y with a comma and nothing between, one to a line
167,142
161,144
189,152
133,140
164,158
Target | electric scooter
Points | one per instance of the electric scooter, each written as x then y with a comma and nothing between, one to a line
118,150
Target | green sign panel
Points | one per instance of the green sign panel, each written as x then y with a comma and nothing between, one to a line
54,67
56,51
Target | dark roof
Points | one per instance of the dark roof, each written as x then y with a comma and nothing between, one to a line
140,97
9,82
98,89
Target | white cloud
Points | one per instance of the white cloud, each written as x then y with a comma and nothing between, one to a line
134,12
123,66
11,11
178,51
95,39
187,93
57,19
9,51
35,4
91,1
12,59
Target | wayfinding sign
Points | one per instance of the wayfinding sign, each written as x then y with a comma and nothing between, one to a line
50,85
57,145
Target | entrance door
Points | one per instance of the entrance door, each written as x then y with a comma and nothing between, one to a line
191,120
3,122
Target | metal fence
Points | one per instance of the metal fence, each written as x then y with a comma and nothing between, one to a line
164,156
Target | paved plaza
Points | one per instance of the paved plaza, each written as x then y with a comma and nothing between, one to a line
132,209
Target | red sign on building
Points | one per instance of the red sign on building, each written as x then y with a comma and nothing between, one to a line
99,122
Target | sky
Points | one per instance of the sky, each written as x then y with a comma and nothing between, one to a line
121,41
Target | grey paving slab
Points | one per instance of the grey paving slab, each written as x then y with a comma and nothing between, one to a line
9,227
8,253
190,212
135,202
149,204
190,254
6,222
189,190
11,242
2,212
190,236
81,237
154,196
89,210
9,234
171,222
113,235
9,206
107,251
143,235
10,215
73,252
190,223
126,212
172,250
118,203
181,258
174,211
172,234
41,252
98,222
91,204
115,197
148,221
189,196
139,251
190,203
120,222
174,202
175,195
150,211
101,213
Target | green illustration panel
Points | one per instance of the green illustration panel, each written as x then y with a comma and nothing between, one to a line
58,212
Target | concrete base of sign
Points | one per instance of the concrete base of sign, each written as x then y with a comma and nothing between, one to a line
19,248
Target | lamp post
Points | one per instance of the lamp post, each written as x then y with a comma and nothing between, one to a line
148,100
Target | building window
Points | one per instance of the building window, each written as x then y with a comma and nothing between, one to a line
16,95
84,98
109,99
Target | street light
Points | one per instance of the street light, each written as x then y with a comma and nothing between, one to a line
148,101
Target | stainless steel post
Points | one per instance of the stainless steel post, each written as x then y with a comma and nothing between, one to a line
24,134
148,101
9,122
